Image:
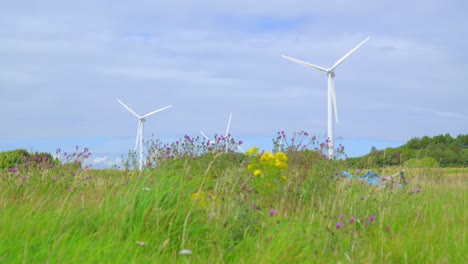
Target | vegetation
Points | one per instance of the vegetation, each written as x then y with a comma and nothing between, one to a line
441,150
21,157
288,206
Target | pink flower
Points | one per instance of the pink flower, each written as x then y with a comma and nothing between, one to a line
272,211
338,225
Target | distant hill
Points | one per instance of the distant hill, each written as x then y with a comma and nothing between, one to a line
441,150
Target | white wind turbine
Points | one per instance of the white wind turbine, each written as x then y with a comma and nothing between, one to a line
226,136
141,121
332,108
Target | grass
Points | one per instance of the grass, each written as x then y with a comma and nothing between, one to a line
218,210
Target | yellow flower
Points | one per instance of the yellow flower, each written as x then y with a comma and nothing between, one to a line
197,195
257,172
251,166
281,156
284,178
253,150
281,165
267,156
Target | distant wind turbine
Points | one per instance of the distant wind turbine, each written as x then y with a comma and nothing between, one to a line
332,107
227,136
141,121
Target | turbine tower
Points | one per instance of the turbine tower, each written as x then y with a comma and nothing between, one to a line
227,137
332,107
141,121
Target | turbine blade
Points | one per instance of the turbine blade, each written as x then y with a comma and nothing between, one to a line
305,63
128,108
138,135
205,136
229,124
159,110
333,94
348,54
241,149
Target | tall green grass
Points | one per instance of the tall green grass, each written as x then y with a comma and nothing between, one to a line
212,207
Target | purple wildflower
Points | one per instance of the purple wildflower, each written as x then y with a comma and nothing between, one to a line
352,219
272,211
419,190
342,216
338,225
372,218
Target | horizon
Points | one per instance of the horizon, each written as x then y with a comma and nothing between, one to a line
107,152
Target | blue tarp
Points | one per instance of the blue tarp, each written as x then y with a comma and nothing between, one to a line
370,177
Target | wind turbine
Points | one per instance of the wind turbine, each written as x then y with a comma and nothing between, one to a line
332,108
226,136
141,121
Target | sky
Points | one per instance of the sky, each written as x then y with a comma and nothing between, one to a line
64,63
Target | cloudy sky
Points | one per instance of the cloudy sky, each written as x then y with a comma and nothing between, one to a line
64,63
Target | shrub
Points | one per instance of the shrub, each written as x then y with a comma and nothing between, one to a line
427,162
11,159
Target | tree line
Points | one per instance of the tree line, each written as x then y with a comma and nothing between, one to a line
440,150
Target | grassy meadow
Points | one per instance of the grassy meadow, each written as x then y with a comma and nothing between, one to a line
290,207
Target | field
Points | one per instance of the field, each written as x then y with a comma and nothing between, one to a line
232,208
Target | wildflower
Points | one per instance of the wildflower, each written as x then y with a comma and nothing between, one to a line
342,216
338,225
384,178
141,243
368,223
267,156
284,178
272,211
372,218
257,172
412,191
352,219
252,151
185,252
281,157
12,169
419,190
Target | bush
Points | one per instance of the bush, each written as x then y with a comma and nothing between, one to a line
11,159
427,162
22,158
